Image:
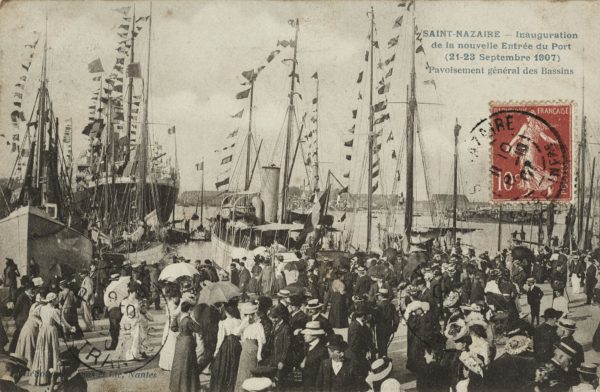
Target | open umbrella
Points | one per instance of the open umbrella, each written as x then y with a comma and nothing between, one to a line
177,270
218,292
116,291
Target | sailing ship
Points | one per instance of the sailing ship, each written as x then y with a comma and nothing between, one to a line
250,219
378,118
44,228
129,186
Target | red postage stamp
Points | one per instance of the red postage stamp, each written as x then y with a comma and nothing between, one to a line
531,152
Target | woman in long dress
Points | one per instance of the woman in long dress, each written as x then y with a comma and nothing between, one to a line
252,340
29,333
227,353
185,373
169,337
338,313
48,345
128,348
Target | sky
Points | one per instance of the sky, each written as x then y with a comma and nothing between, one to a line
200,48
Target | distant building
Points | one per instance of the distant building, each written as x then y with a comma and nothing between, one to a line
445,202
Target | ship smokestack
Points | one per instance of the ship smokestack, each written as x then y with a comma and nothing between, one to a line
269,192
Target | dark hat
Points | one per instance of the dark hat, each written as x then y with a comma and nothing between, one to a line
362,309
567,324
296,300
552,313
280,311
264,371
336,342
14,360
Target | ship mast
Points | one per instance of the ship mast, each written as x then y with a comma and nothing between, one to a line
370,142
288,139
455,182
316,155
143,161
248,176
40,145
581,182
130,93
410,133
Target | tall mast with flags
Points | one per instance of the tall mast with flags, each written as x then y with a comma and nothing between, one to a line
288,139
143,160
247,176
410,142
370,136
130,77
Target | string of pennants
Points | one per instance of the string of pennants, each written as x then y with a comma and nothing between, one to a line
249,77
17,116
113,85
68,138
311,137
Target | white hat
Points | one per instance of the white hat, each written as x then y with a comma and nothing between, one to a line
37,282
313,304
390,385
51,296
247,308
380,369
257,384
313,328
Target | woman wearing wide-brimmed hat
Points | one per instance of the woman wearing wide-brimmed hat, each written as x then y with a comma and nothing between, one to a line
48,343
252,340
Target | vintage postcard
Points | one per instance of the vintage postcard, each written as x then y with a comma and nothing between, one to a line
299,195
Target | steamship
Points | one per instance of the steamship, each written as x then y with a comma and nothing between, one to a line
250,219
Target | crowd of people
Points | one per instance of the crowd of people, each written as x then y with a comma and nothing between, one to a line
323,325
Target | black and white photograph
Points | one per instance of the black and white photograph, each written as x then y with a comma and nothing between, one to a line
309,195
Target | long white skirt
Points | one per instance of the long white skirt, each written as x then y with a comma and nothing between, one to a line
168,348
576,284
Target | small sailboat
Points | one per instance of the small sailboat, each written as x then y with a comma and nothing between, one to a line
44,226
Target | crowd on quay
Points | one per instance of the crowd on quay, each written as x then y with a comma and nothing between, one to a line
325,327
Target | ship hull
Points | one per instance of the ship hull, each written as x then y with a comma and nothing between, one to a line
29,232
123,189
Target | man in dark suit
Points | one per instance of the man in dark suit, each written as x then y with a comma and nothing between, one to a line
386,321
244,276
12,368
545,337
279,343
590,280
363,282
360,342
336,374
534,298
298,320
21,312
72,380
234,275
315,353
208,317
313,309
565,330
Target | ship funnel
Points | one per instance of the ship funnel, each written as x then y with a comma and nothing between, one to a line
269,192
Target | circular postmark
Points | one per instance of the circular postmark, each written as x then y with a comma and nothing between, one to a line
530,153
95,351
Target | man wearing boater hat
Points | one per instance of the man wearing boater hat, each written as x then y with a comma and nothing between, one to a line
12,368
363,282
313,310
588,374
565,330
316,351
